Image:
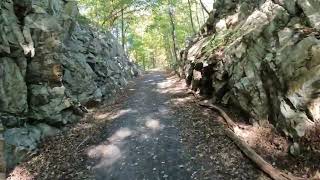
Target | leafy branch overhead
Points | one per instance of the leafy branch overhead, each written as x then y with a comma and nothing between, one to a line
151,32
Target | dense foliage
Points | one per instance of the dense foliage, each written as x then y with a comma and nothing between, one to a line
151,31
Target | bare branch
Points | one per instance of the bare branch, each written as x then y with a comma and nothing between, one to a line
204,7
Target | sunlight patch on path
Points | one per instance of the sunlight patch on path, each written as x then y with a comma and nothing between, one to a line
114,116
153,124
142,141
123,112
108,154
121,134
102,116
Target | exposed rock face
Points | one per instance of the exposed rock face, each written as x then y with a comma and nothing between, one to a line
262,56
51,66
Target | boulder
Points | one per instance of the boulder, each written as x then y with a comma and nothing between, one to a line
51,66
46,130
79,78
11,121
267,63
47,103
13,88
311,10
20,141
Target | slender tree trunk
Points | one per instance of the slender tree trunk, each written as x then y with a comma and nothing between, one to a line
153,61
204,7
203,16
122,31
173,33
117,32
144,63
197,13
191,18
168,49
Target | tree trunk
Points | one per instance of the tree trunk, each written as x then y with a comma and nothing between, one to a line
197,16
153,61
168,50
204,7
203,16
117,32
144,63
190,15
173,33
122,31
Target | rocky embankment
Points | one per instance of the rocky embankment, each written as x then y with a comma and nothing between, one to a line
51,67
262,56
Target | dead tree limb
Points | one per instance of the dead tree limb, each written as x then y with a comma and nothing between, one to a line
258,160
247,150
227,119
204,7
197,96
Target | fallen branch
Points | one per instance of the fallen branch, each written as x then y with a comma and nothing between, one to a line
247,150
228,120
197,96
204,7
258,160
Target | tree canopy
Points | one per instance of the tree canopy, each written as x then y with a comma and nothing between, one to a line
151,32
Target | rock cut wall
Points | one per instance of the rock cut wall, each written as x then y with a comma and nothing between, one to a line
50,68
262,56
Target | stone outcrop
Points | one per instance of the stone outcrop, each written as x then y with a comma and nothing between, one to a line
262,56
51,67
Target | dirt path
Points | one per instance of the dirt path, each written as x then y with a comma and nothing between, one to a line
149,139
144,141
157,132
